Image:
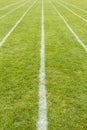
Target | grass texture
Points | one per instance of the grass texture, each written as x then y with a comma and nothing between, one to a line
65,60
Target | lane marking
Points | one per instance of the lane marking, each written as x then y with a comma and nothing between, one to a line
16,24
5,15
42,121
75,6
73,12
69,27
7,6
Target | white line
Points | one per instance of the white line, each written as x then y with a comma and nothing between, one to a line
73,12
5,15
17,23
7,6
75,6
71,30
42,121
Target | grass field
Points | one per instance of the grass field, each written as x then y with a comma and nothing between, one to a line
65,42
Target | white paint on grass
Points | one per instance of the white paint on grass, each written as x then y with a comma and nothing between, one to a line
73,12
7,6
16,24
11,11
69,27
85,11
42,121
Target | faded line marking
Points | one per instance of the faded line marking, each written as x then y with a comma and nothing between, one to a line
7,6
69,27
85,11
3,16
42,121
73,12
17,23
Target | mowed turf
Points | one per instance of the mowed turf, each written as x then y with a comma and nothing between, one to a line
19,70
79,3
65,61
66,67
6,2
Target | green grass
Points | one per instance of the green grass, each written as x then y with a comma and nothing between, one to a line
11,7
19,65
79,3
66,68
7,2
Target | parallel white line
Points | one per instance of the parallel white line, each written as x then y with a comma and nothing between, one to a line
16,24
73,12
5,15
42,121
69,27
85,11
7,6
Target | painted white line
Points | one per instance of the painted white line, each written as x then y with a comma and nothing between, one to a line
85,11
69,27
5,15
7,6
17,23
72,12
42,121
